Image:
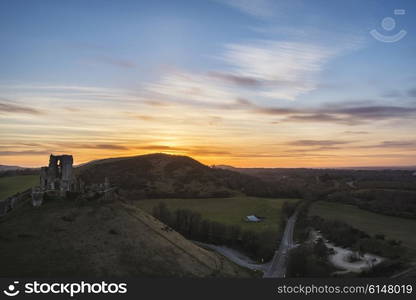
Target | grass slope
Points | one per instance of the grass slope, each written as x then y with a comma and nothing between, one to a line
229,211
14,184
64,238
371,223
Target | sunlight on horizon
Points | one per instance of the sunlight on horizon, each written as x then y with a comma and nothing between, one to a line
248,86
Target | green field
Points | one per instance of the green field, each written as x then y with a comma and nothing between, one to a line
14,184
229,211
369,222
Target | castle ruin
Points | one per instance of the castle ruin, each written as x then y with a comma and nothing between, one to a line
56,179
58,176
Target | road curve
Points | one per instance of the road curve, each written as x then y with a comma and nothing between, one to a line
235,256
278,265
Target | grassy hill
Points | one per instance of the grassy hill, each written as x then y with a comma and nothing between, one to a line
369,222
170,176
68,238
14,184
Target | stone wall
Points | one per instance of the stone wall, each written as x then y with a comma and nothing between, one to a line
37,196
14,201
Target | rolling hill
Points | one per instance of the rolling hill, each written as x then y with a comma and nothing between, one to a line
69,238
166,176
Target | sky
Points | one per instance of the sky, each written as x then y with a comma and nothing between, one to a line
248,83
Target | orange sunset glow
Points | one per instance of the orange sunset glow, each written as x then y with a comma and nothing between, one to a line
238,92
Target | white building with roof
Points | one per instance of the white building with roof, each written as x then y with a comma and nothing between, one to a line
252,218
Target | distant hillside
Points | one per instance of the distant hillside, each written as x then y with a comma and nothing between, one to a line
313,175
66,238
9,168
162,175
6,171
375,168
383,168
226,167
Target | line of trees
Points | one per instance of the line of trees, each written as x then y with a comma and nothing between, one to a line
259,246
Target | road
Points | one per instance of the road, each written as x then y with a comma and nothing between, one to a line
236,257
278,265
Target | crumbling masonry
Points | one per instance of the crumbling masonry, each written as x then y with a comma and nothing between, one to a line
56,179
58,176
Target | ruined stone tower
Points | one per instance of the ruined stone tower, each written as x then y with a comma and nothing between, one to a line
58,175
58,178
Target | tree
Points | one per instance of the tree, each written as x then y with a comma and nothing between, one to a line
162,213
267,244
234,234
297,263
320,249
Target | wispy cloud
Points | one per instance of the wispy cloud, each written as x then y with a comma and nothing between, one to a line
109,146
347,113
284,70
236,79
156,103
356,132
72,109
343,114
351,113
400,94
392,94
105,147
23,153
375,112
320,118
145,117
160,148
9,107
264,9
401,144
256,8
412,92
318,143
188,87
266,70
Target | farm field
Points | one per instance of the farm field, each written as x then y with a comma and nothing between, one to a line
228,211
372,223
14,184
